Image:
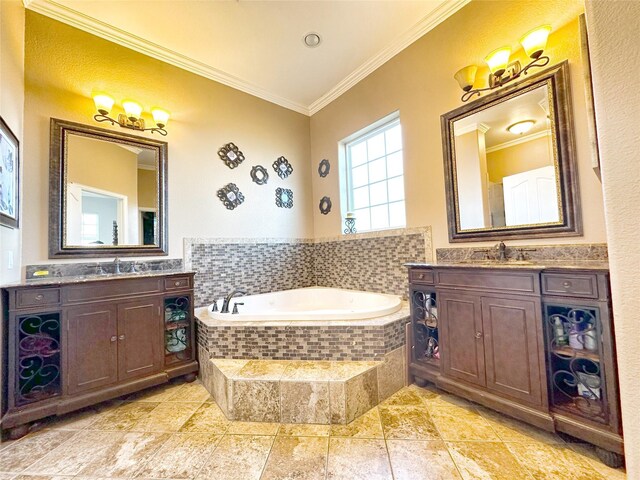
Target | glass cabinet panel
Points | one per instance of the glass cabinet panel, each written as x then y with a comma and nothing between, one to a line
178,329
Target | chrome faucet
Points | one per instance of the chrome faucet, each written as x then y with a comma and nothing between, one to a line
227,300
116,262
502,251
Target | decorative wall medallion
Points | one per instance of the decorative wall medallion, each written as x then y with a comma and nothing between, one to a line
259,175
230,196
324,167
284,198
325,205
282,167
231,155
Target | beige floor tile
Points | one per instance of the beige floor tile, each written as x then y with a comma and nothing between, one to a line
189,392
237,457
73,421
124,456
511,430
462,424
38,477
207,418
181,456
304,430
123,417
410,423
160,393
588,454
486,460
410,396
368,425
71,457
421,460
262,370
553,462
253,428
166,417
303,370
19,454
297,458
7,476
228,366
358,459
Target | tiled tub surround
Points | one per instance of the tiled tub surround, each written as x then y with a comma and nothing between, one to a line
322,392
352,340
90,268
370,262
537,253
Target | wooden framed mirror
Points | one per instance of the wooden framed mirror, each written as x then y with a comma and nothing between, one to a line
509,162
107,193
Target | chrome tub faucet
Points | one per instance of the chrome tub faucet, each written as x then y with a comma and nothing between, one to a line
227,300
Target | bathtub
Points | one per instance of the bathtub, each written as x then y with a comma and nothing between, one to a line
313,303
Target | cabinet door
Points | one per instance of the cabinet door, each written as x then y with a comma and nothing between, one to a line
511,334
140,339
92,346
462,350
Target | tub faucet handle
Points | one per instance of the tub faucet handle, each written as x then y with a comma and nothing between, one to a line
214,307
235,307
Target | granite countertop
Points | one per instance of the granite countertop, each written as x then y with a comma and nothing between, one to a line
53,281
520,265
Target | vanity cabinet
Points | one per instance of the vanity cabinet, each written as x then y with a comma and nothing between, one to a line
532,342
71,345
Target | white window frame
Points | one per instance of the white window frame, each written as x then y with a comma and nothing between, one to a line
346,187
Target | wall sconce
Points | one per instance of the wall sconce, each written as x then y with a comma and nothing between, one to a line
131,118
502,72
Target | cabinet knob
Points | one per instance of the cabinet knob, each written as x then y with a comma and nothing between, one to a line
39,297
478,334
177,284
421,276
121,337
114,338
566,284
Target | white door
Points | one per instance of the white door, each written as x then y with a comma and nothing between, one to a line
530,197
74,214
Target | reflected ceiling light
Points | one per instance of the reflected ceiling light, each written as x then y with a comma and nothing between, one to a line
312,40
502,72
519,128
132,116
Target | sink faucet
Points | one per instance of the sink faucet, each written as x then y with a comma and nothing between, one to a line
502,251
116,262
227,299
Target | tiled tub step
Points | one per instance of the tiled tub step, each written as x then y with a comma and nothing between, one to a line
293,391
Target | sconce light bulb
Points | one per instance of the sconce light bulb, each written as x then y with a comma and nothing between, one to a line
132,109
466,76
104,103
160,117
535,41
498,60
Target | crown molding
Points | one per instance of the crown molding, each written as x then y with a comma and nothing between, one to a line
519,140
472,127
104,30
71,17
429,22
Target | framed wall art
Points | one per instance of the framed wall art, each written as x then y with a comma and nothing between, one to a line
9,177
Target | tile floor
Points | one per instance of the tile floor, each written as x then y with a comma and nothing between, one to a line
178,432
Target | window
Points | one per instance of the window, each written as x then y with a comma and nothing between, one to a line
374,180
89,229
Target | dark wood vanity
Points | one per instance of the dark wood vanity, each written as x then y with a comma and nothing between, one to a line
533,342
73,343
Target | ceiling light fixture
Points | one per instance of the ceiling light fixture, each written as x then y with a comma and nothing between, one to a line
312,40
502,72
132,116
519,128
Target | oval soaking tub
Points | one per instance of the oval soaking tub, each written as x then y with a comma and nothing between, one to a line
313,303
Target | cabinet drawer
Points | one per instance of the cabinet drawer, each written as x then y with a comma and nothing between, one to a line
174,283
421,276
490,280
34,297
92,291
573,285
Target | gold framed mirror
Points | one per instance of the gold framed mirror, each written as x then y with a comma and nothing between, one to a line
107,193
509,162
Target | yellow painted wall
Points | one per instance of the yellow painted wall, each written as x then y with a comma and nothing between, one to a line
147,190
419,83
518,158
62,67
613,42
